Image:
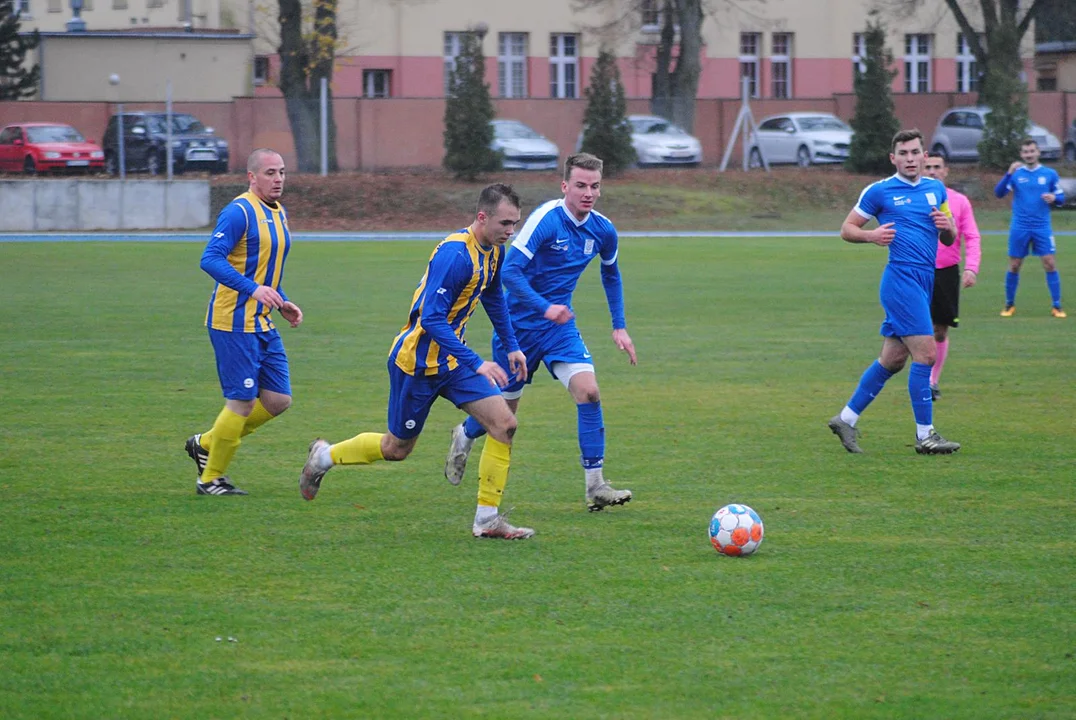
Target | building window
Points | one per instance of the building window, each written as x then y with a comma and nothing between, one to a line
22,9
859,55
453,45
917,63
563,65
1047,84
156,4
512,65
261,69
967,70
781,65
749,42
651,15
55,6
376,83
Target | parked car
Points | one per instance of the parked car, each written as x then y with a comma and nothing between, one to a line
804,138
660,142
42,147
1068,186
524,148
145,144
1070,143
960,129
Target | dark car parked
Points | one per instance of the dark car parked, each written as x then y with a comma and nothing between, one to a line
145,144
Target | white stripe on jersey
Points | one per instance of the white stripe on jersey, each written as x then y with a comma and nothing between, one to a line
524,236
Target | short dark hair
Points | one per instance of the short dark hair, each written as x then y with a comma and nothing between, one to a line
904,136
492,196
586,161
1029,141
938,156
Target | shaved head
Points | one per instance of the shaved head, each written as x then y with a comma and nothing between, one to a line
260,157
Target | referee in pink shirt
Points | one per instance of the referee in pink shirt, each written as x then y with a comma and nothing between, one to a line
948,280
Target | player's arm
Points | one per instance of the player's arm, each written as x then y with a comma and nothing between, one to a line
446,276
968,229
1005,184
1056,196
943,220
496,307
853,230
614,295
231,225
534,234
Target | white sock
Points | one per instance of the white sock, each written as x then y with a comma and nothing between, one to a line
849,416
594,477
922,431
484,514
324,458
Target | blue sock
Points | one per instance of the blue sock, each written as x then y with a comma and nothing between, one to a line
591,434
1011,281
919,391
872,382
472,428
1053,281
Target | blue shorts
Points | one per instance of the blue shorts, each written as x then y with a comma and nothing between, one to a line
559,343
1040,240
412,396
905,293
249,362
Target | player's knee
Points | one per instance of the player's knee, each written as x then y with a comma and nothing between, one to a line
1048,264
395,453
504,429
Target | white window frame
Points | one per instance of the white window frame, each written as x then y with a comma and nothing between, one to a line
512,49
781,59
967,67
560,84
22,9
750,62
370,78
451,47
859,55
917,63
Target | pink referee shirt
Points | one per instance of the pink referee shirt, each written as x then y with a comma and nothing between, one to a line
967,233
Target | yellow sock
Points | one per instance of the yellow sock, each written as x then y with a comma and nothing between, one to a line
226,433
362,449
493,472
258,417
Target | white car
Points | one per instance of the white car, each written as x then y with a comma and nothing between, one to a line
960,129
523,148
803,138
659,142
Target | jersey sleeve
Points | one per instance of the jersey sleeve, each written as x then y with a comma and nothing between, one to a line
612,281
230,228
448,273
516,259
870,202
1057,190
967,228
496,307
1004,186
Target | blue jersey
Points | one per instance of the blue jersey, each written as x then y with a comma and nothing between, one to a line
249,246
1029,210
549,255
908,206
460,274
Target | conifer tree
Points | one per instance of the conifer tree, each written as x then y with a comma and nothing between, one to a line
606,131
875,122
17,81
468,112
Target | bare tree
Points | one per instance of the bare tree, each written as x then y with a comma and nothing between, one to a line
305,58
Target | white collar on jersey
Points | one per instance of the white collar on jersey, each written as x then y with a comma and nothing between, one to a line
906,181
578,223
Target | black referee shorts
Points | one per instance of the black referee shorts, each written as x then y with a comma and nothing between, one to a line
945,303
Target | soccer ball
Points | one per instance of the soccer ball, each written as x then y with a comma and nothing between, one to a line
736,530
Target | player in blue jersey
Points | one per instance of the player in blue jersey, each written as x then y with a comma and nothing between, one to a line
246,257
1034,190
913,215
556,244
429,359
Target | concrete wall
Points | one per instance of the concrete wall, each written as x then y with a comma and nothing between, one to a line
46,204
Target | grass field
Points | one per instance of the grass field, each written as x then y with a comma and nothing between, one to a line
889,585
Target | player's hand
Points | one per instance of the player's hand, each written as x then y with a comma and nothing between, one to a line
969,279
517,363
623,342
1049,198
559,314
941,220
1015,166
494,373
268,296
882,235
291,312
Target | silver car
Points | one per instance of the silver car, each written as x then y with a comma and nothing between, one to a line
659,142
960,129
1070,143
803,138
523,148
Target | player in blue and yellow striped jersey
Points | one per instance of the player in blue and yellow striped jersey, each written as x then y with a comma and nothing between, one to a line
246,257
913,216
429,359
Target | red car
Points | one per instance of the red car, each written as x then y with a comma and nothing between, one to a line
41,147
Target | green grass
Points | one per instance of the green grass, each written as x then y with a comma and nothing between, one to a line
889,585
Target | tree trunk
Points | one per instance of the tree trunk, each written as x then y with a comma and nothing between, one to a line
685,85
661,90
